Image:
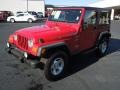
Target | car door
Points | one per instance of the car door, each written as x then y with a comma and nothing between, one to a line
20,17
88,35
26,17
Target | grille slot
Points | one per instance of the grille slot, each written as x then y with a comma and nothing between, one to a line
23,42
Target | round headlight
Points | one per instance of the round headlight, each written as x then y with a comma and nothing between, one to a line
15,37
30,43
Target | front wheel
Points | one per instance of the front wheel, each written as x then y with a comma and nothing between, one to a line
12,20
56,66
102,47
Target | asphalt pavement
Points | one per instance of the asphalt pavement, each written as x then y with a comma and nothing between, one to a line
86,72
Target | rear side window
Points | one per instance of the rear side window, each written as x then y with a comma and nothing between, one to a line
20,15
90,17
104,17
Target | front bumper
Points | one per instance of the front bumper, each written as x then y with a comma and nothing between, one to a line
33,61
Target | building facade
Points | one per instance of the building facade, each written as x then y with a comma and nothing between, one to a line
23,5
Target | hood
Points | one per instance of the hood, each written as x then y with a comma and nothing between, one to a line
33,30
46,33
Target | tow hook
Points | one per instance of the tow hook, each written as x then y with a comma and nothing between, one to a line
22,60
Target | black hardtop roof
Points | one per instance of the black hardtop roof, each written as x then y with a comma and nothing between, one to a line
88,8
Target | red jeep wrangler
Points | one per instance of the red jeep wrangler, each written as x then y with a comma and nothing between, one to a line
68,30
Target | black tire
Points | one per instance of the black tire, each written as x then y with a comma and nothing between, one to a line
51,65
12,20
8,50
30,20
102,47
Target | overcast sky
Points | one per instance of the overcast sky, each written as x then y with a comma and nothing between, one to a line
71,2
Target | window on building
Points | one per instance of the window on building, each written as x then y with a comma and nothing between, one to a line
104,18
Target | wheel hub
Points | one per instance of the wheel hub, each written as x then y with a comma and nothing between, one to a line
57,66
103,47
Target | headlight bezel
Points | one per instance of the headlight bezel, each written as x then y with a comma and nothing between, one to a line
41,40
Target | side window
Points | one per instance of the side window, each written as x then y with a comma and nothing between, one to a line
104,18
90,17
25,14
20,15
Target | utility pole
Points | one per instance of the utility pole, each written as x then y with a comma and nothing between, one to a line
27,5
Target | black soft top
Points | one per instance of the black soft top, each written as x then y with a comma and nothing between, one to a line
87,8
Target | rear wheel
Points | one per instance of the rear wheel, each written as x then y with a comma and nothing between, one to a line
30,20
12,20
56,66
102,47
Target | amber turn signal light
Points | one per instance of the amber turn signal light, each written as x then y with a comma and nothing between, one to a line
35,50
10,39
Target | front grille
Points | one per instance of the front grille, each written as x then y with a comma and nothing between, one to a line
22,42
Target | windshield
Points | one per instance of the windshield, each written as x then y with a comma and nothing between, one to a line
71,16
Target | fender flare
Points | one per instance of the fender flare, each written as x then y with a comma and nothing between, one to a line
101,35
104,33
52,46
